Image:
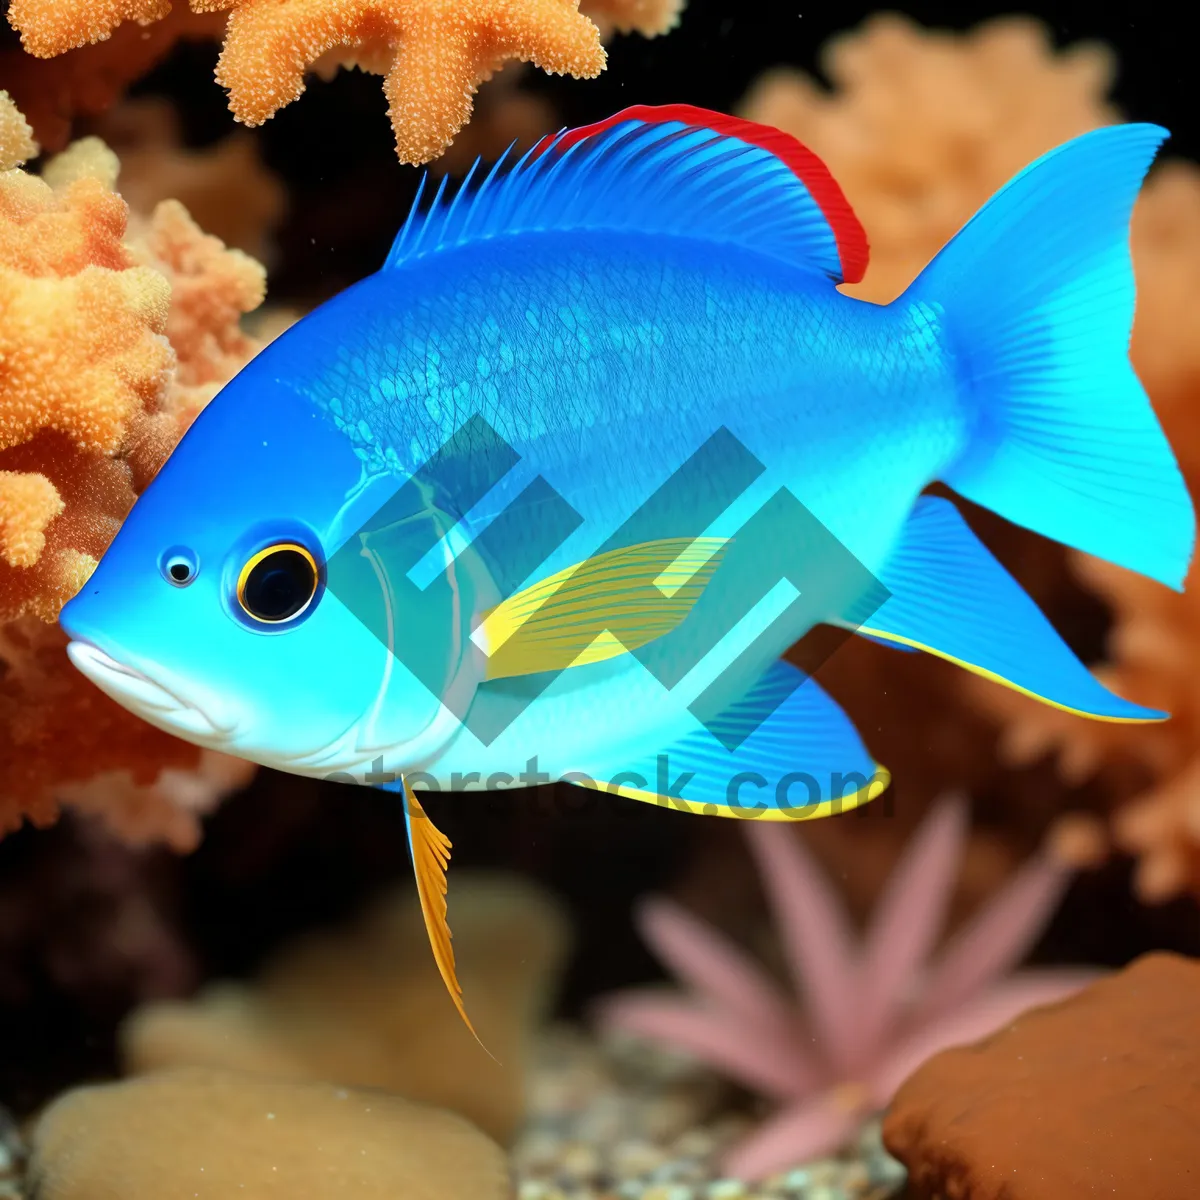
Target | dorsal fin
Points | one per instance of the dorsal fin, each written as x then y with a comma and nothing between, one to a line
673,169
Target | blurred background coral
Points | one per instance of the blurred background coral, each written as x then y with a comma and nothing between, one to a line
186,914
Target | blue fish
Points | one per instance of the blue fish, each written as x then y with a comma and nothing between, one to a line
560,484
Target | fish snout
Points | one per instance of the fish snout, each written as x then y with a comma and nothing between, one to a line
162,702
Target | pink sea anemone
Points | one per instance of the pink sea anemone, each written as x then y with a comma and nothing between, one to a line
866,1015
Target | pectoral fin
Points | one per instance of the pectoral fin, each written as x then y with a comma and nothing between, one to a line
430,849
796,756
599,608
949,596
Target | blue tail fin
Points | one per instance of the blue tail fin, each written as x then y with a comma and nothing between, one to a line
1037,295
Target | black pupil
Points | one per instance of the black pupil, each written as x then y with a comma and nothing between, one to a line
279,586
180,572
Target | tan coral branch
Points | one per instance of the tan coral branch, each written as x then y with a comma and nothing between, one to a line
435,54
16,136
650,18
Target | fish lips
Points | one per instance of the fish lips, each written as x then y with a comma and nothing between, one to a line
149,698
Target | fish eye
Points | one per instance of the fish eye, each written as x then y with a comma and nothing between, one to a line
179,566
278,583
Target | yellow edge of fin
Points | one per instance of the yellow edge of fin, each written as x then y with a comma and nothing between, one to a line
984,673
431,856
879,784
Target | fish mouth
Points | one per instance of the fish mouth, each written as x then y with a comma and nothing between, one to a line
148,697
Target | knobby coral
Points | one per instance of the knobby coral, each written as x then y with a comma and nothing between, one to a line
208,1134
225,187
342,1005
113,333
434,54
650,18
920,128
869,1015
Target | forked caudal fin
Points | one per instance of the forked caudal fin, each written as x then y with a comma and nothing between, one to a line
1036,294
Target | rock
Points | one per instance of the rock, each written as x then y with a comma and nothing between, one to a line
365,1006
1096,1096
199,1134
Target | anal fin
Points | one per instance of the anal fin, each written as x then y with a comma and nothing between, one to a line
950,597
795,756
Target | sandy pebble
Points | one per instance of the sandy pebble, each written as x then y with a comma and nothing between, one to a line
673,1191
532,1189
725,1189
580,1161
636,1158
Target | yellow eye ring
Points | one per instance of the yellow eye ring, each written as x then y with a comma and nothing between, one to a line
277,584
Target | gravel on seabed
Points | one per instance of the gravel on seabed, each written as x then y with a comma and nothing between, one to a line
617,1120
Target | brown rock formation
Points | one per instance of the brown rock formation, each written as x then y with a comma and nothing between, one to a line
1096,1096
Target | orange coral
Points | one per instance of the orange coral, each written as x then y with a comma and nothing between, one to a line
85,82
110,340
504,113
211,287
225,187
57,729
28,503
434,53
650,18
920,129
82,353
48,26
165,810
16,137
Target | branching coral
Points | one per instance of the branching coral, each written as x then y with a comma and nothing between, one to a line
87,81
16,137
434,53
47,27
869,1015
434,56
505,113
111,338
225,187
650,18
920,128
83,354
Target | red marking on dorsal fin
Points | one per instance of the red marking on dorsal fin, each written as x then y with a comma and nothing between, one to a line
849,234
